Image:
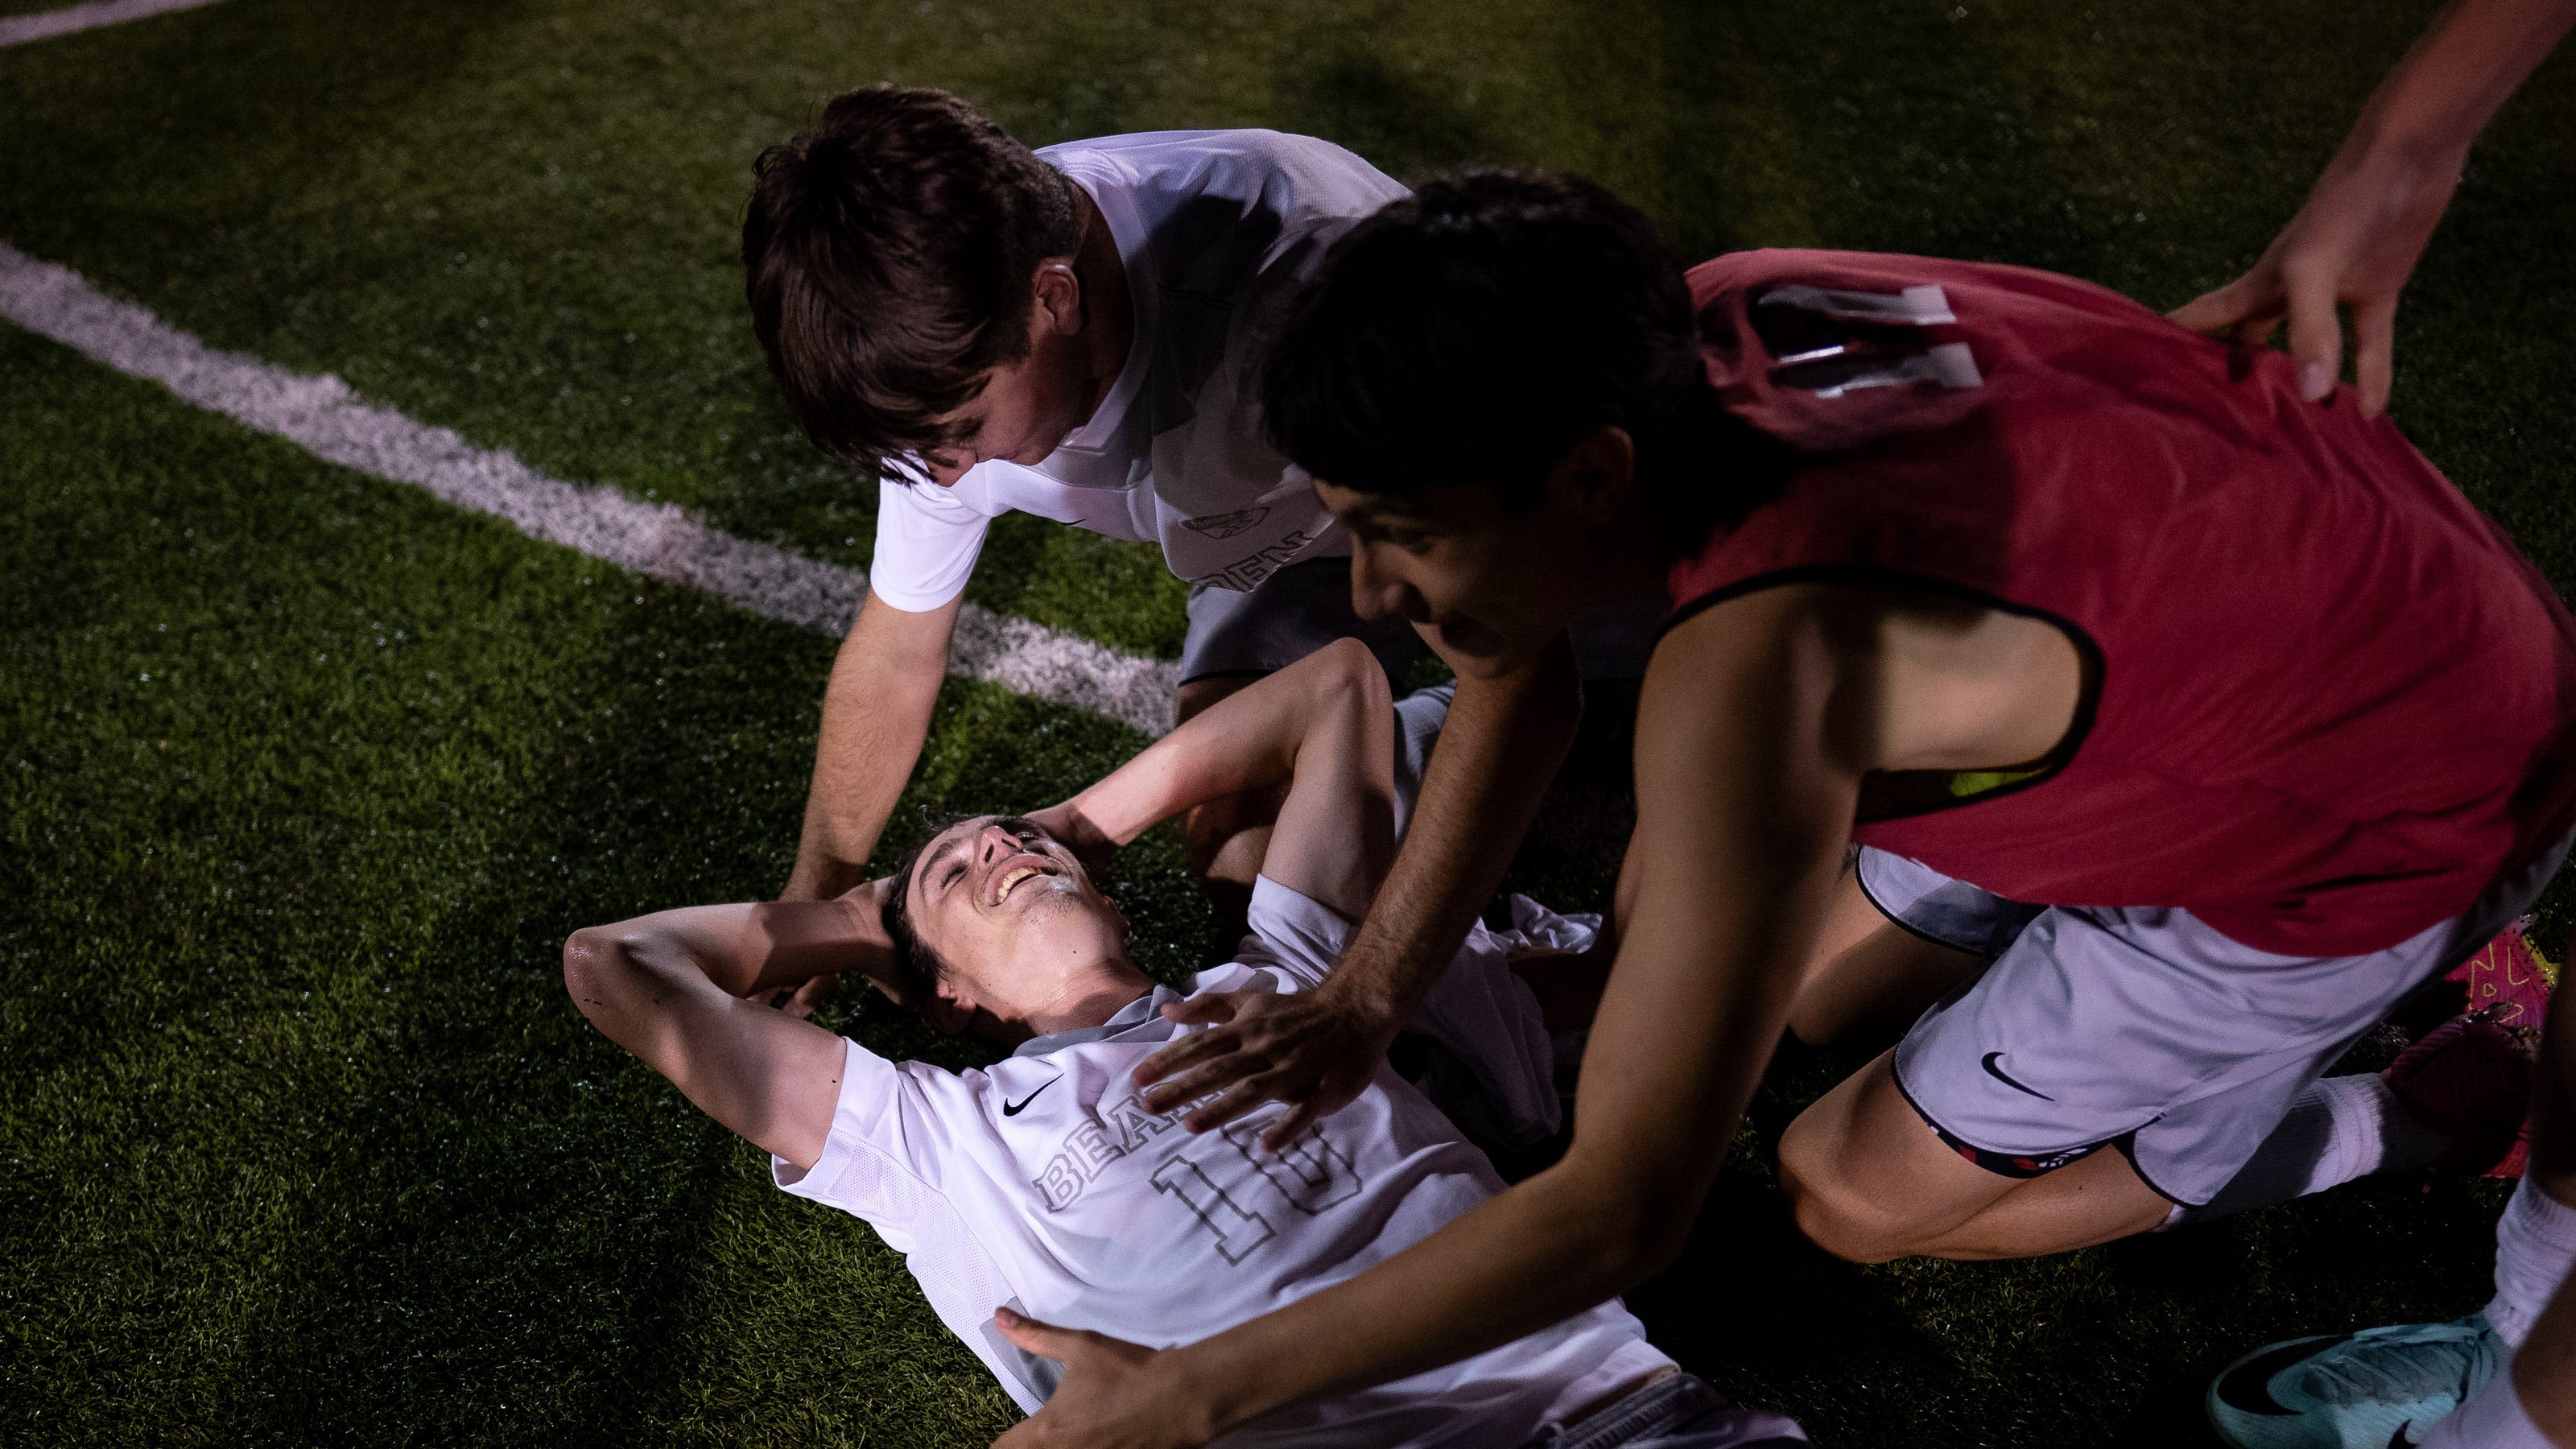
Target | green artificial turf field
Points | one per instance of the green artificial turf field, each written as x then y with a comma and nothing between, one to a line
307,776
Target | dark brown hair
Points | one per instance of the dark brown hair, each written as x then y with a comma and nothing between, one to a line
888,253
916,965
1471,332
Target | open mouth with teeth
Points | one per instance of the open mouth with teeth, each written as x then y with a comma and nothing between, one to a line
1029,868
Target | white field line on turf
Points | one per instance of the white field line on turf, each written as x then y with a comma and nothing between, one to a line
19,29
324,417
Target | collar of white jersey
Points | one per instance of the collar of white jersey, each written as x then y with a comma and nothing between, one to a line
1108,186
1135,1013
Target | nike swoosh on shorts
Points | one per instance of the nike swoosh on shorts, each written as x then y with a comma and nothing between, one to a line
1997,1073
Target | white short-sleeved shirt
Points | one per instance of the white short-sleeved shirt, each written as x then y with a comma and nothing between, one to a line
1042,1183
1215,227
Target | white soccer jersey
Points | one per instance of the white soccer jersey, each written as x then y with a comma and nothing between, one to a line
1214,228
1042,1183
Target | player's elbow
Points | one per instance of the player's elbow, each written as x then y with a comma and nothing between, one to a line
1349,675
1635,1227
591,957
1657,1238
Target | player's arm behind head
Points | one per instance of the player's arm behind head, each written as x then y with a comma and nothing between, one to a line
652,986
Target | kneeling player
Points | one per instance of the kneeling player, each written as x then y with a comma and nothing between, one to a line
1044,1186
1992,571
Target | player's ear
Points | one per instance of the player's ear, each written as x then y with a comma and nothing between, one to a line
950,1008
1595,476
1056,298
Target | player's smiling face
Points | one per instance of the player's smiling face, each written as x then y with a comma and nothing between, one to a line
1013,915
1493,585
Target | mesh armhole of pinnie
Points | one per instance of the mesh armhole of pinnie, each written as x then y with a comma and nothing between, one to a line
1831,342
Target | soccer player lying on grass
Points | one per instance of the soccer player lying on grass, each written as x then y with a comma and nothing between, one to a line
2184,727
1043,1186
1069,333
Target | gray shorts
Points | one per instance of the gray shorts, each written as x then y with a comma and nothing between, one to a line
1677,1411
2140,1028
1290,615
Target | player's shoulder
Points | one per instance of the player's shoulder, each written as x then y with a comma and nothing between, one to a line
1888,288
1830,351
1243,162
1291,942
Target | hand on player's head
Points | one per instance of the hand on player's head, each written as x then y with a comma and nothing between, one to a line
995,917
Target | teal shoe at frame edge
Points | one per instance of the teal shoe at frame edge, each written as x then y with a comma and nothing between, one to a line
2382,1388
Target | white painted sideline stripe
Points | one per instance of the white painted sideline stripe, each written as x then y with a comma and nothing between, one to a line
19,29
324,417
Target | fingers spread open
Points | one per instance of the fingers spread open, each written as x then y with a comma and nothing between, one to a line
1213,1076
1203,1046
1233,1105
1297,1119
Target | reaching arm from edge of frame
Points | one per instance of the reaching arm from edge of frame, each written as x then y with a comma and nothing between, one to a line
2357,239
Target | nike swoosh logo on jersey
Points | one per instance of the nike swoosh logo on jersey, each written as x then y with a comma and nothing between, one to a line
1012,1109
1997,1073
2404,1438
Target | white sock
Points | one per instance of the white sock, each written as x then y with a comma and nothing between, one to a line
2535,1247
2338,1129
2493,1418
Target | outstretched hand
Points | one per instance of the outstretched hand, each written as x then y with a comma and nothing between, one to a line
1307,1049
1108,1399
2353,244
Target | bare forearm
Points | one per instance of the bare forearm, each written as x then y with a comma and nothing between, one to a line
876,713
1229,749
2451,83
1250,740
631,970
1550,1248
1499,749
1664,1089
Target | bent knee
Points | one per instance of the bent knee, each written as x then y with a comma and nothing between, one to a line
1837,1212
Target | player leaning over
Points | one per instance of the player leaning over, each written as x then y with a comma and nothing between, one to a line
1993,573
1067,333
1043,1185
